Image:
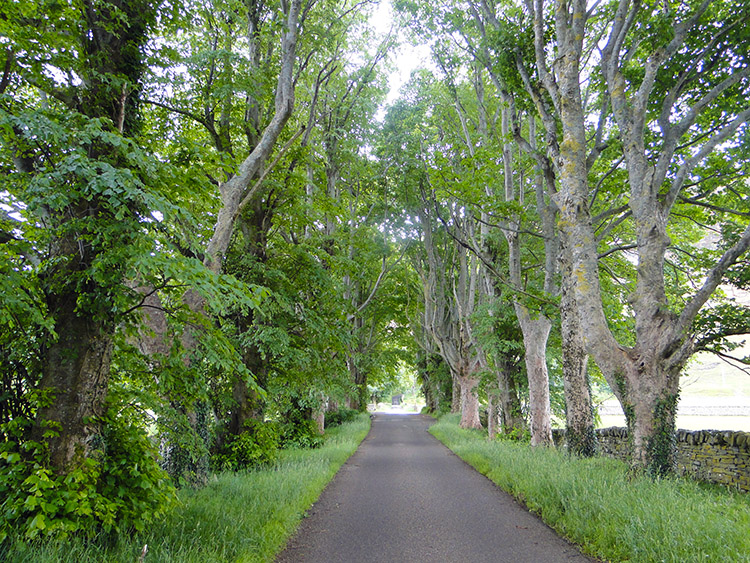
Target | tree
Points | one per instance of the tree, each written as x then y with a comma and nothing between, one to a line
667,69
78,178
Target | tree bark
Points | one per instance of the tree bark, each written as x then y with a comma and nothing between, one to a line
76,367
76,373
469,401
579,410
492,414
535,334
510,405
248,403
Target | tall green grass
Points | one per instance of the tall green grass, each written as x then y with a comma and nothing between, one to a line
238,517
597,504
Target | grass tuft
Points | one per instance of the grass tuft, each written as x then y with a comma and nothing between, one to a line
238,517
612,515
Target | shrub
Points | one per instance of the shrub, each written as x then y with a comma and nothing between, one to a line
300,432
340,416
256,446
119,488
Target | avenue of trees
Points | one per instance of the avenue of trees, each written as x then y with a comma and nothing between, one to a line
210,242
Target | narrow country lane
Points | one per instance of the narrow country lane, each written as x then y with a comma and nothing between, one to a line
403,496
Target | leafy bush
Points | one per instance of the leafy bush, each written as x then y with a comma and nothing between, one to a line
256,446
300,432
340,416
120,488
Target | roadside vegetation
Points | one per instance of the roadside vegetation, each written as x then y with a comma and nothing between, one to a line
600,505
238,516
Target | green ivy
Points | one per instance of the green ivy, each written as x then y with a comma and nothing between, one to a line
340,416
662,446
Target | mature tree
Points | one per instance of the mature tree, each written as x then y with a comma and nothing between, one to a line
473,32
675,86
66,125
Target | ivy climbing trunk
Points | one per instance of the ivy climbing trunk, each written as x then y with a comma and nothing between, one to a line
510,405
76,373
644,376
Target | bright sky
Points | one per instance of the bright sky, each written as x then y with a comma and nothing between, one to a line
407,57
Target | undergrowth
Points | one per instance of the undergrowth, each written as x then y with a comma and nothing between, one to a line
597,504
240,516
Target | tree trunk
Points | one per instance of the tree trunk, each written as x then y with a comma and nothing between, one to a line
649,396
236,191
248,403
456,393
535,335
469,401
359,379
492,414
579,409
76,373
76,365
510,405
319,416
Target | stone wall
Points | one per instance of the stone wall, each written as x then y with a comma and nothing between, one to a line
708,455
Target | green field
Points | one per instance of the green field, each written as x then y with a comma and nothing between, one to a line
708,376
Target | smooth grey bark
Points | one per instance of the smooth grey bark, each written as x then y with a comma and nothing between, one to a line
237,191
534,326
486,19
535,335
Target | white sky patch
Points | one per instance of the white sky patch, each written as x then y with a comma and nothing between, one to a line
11,206
407,57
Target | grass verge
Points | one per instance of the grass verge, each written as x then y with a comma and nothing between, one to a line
238,517
610,514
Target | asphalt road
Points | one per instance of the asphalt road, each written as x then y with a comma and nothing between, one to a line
403,496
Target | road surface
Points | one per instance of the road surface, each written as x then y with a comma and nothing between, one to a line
403,496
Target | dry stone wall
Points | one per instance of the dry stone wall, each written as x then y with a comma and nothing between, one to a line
708,455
